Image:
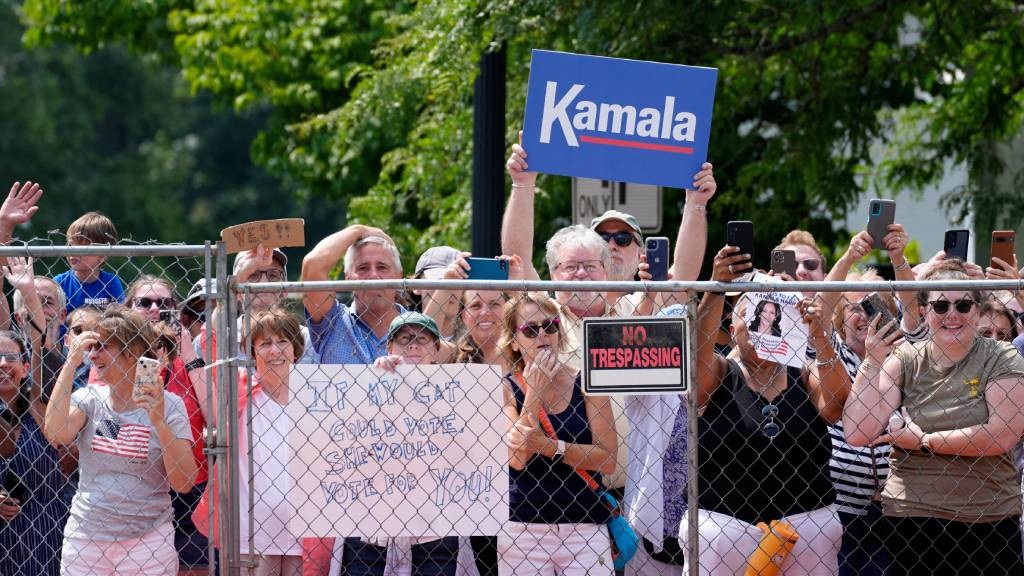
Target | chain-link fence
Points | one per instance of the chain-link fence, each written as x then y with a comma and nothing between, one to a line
353,436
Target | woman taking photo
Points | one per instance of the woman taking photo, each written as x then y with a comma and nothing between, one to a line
555,432
763,442
134,446
953,501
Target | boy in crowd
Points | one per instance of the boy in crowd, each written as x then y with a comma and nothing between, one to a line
87,282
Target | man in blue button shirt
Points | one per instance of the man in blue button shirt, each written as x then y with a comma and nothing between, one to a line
355,334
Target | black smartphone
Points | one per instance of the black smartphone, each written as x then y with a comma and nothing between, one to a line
657,257
171,318
14,487
487,269
955,244
881,213
741,233
784,262
873,305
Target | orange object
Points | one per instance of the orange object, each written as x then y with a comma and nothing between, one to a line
775,545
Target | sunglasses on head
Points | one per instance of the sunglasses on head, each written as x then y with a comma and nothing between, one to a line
161,303
549,326
622,239
963,305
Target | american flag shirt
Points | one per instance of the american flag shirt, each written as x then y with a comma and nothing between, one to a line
123,491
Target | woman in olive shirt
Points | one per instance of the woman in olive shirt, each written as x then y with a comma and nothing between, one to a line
953,498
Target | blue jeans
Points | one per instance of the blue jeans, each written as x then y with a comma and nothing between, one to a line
863,552
437,558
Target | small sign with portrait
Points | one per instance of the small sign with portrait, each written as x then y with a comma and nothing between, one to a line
775,326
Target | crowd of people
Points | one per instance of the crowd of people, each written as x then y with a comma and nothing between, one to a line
893,448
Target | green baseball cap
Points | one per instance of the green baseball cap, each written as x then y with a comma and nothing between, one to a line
627,219
413,319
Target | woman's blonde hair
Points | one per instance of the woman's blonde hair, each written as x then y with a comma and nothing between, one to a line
509,326
126,329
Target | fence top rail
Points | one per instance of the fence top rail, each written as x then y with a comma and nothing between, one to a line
183,250
701,286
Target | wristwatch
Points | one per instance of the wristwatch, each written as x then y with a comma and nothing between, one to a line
560,449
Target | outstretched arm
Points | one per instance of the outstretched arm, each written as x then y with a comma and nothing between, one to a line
317,265
517,225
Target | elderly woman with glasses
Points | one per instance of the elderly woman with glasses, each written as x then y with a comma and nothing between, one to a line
557,521
952,501
763,443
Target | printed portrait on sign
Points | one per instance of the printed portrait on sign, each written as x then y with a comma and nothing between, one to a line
776,330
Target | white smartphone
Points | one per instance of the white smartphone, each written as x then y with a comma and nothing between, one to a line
146,372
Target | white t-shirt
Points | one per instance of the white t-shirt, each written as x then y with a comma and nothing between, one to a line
271,453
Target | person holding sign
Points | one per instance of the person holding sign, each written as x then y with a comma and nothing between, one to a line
559,445
413,338
764,446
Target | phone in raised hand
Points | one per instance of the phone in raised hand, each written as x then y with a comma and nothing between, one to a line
147,372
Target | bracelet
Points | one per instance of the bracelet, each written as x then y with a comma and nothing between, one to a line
523,186
702,208
818,362
904,266
194,364
866,367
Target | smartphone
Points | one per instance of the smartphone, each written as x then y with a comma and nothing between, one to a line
881,213
874,306
657,257
784,261
741,233
487,269
955,244
171,318
14,487
146,372
1002,246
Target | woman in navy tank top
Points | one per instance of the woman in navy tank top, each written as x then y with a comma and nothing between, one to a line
556,520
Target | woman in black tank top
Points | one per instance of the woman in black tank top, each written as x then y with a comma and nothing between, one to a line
763,445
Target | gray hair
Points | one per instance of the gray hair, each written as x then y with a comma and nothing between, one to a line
62,299
350,254
577,235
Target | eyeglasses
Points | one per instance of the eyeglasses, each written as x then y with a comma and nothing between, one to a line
770,428
963,306
811,264
273,275
588,266
549,326
622,239
420,339
11,357
161,303
855,308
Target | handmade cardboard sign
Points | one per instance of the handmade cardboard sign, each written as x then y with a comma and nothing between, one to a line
270,233
616,119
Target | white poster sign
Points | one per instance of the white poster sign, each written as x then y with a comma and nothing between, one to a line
776,328
419,452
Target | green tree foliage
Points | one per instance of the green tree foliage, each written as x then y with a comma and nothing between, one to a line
372,101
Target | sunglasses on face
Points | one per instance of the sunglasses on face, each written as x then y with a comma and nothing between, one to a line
810,264
622,239
146,303
963,306
549,326
11,358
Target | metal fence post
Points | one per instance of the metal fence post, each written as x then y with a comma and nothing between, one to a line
693,548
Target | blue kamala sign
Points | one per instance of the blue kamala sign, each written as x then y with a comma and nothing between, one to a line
615,119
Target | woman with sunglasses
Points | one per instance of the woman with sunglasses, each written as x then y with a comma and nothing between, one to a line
952,501
153,297
134,445
556,520
763,442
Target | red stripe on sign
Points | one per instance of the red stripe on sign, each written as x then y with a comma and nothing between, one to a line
641,145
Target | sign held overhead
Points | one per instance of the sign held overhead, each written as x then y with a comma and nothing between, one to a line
616,119
270,233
